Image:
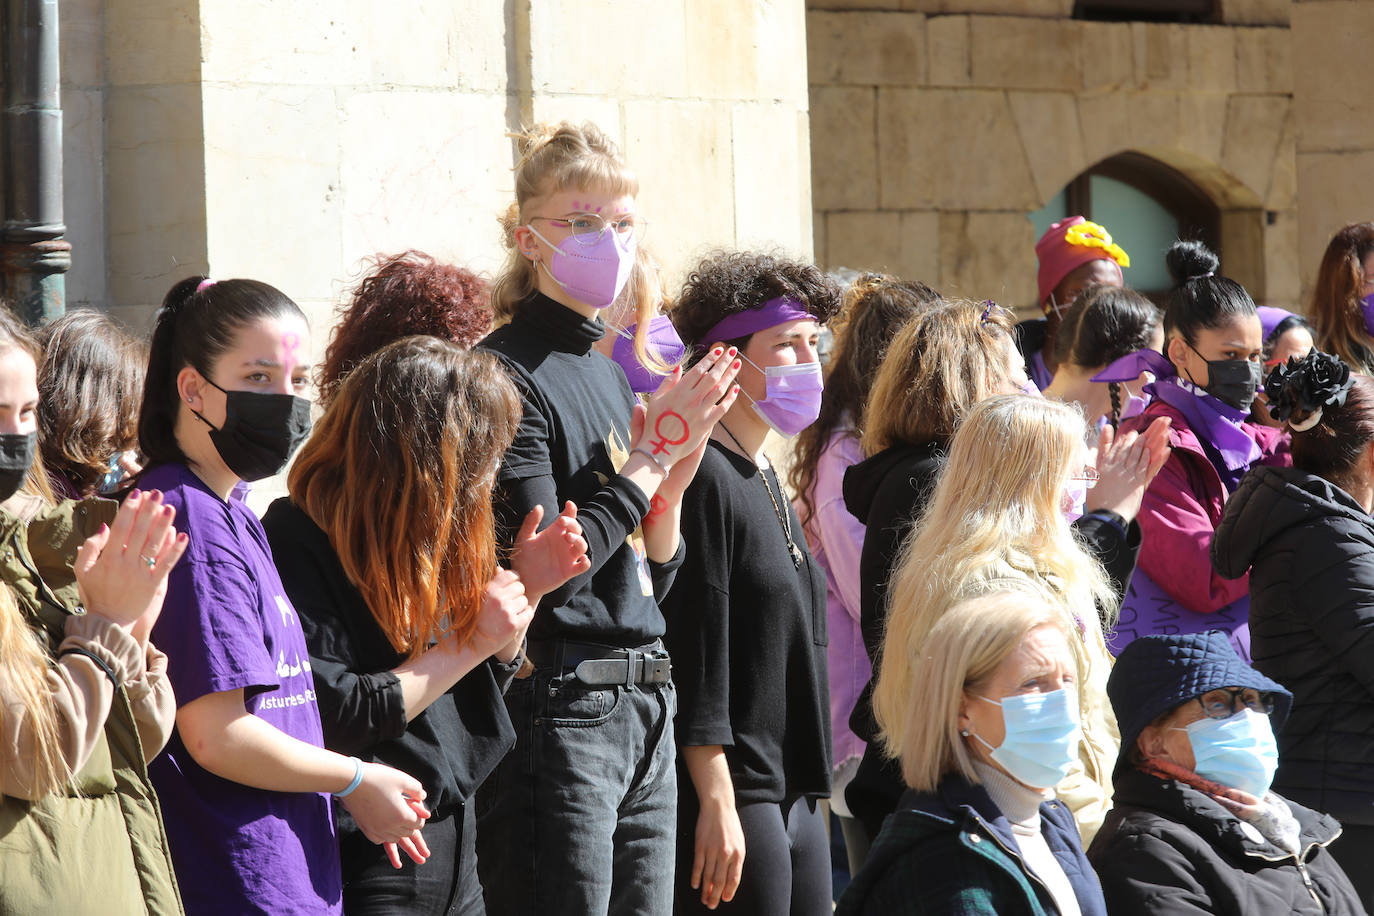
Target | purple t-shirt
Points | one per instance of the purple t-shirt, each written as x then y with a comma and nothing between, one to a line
227,624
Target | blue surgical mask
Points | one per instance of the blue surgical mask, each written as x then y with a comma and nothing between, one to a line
1238,751
1042,736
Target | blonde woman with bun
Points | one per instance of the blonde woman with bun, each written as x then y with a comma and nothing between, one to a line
998,512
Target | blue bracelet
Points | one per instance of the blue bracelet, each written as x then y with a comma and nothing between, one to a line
357,778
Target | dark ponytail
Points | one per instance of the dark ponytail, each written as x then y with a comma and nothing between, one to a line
1200,299
198,322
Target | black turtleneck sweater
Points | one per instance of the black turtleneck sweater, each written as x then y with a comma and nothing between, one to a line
574,437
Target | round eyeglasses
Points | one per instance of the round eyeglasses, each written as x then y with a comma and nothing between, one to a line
1222,702
587,228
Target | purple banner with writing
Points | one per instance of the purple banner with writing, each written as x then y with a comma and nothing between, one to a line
1148,609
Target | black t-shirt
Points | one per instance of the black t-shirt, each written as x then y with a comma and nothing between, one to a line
573,439
451,746
747,632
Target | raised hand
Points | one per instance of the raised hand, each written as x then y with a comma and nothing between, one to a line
686,407
546,559
121,570
1126,465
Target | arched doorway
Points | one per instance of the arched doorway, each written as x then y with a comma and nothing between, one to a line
1145,205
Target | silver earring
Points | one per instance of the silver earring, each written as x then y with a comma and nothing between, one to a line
964,732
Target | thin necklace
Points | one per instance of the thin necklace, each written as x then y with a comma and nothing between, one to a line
783,520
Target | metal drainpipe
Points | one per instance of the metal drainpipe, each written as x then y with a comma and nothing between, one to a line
33,254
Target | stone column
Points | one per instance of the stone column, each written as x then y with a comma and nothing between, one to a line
34,255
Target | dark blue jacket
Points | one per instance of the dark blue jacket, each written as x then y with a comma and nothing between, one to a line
952,853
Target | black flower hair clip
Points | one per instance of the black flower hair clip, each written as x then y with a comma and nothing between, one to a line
1307,387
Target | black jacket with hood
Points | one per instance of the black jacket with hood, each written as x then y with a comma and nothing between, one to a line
1309,547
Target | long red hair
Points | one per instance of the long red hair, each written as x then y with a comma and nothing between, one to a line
399,472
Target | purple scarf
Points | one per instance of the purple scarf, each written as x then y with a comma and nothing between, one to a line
1217,425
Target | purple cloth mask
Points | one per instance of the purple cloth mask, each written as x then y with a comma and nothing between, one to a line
595,273
662,344
792,396
1367,309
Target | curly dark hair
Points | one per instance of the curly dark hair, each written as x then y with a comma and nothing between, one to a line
404,295
729,282
90,385
875,308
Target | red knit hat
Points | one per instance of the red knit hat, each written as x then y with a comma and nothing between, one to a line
1069,244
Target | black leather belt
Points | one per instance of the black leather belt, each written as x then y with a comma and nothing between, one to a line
601,666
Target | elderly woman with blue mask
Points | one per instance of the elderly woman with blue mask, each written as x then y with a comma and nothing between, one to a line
1194,827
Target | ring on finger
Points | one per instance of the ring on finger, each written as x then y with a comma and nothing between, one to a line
151,561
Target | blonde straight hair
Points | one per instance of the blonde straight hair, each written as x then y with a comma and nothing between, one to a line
553,158
963,649
995,514
24,667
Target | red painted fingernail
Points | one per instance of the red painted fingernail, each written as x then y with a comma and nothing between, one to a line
736,364
167,511
733,351
104,528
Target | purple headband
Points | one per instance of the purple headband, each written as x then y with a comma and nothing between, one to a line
769,315
205,284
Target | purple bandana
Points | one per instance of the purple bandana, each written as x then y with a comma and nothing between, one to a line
769,315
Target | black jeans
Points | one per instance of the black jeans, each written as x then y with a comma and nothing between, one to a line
580,815
446,885
786,860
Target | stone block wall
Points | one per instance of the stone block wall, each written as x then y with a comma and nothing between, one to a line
290,141
937,125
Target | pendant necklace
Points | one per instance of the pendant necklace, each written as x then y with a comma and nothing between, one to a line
783,520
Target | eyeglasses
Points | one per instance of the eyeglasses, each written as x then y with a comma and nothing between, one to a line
587,228
1221,703
1088,474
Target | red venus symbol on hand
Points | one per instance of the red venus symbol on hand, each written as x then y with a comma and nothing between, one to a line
661,446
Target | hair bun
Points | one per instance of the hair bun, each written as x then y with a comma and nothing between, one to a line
1301,389
1189,259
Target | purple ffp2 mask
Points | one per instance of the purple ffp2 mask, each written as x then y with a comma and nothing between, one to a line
595,273
662,344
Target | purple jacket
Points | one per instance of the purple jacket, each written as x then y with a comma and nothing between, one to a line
1178,517
836,539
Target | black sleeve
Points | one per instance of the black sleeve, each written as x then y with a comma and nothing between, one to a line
697,611
358,709
664,574
526,480
1113,541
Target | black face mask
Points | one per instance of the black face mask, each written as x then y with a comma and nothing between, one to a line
260,431
1232,381
16,457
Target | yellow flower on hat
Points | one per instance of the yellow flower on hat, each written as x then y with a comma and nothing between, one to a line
1091,235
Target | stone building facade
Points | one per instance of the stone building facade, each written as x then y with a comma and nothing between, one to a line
937,125
287,141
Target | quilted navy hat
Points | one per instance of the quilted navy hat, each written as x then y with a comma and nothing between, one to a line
1155,674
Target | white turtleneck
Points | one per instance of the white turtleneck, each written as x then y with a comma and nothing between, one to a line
1021,807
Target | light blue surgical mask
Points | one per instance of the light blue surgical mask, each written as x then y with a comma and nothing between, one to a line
1042,736
1239,751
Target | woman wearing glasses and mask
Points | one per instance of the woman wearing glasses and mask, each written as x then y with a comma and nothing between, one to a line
1195,827
1306,538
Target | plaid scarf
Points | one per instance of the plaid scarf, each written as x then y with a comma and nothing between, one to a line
1270,815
